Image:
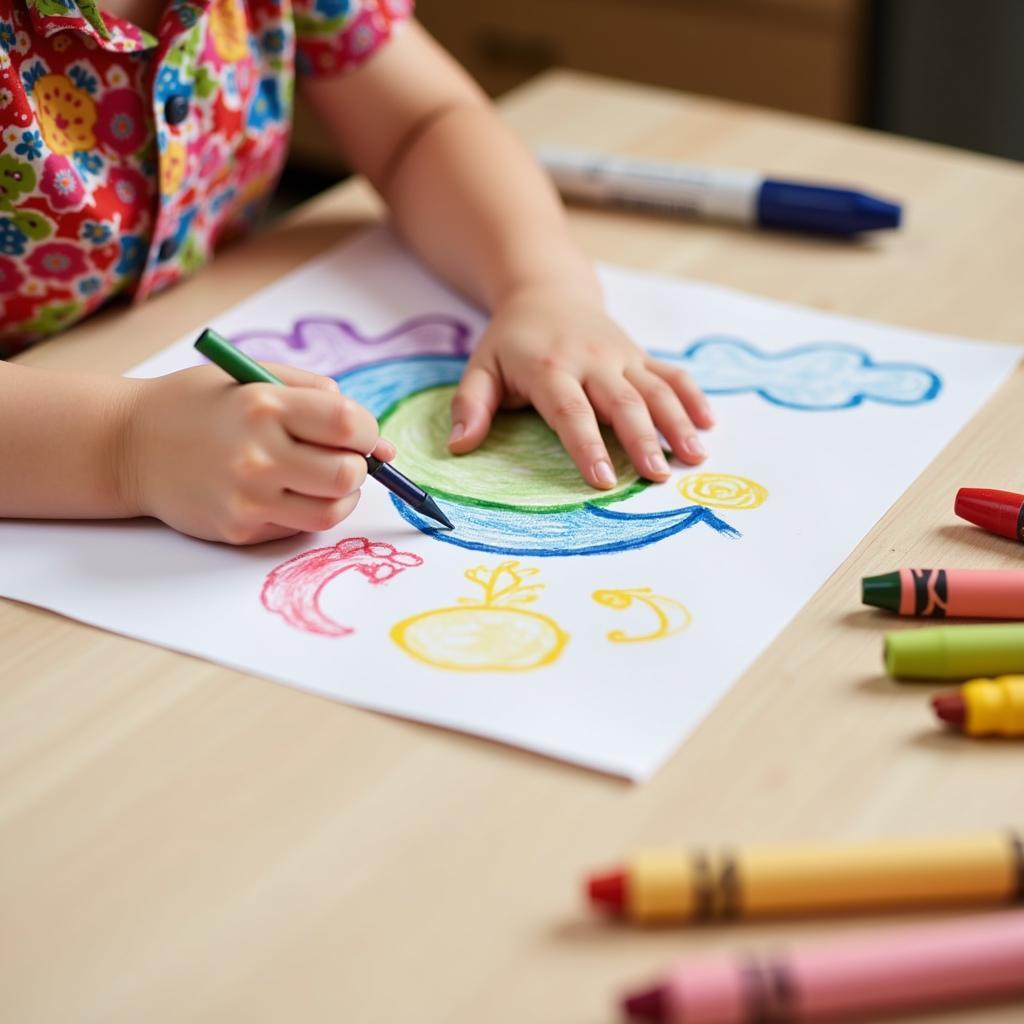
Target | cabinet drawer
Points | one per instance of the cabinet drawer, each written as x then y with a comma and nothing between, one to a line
799,55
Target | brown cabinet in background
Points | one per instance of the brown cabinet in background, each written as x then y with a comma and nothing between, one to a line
799,55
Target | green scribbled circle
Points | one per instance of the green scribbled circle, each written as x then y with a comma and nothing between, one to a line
522,464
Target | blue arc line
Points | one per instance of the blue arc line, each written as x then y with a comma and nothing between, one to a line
590,530
381,386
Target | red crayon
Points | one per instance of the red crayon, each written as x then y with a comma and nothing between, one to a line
999,512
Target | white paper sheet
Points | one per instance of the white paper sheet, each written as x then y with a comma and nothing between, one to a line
607,659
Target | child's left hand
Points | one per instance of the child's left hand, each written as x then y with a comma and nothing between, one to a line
468,198
559,351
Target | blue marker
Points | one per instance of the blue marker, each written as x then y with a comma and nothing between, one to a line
740,196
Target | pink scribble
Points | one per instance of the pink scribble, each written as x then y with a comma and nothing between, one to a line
331,347
292,589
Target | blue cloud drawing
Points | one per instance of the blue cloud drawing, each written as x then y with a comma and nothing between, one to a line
817,377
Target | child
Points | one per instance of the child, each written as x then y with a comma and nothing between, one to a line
136,138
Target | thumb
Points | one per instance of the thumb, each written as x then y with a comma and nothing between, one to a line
385,450
473,407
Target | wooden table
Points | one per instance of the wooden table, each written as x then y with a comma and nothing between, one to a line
180,842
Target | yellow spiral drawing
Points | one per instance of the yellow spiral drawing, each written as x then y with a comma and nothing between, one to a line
492,633
671,616
722,490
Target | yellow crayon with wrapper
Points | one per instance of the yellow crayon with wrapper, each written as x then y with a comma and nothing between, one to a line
764,881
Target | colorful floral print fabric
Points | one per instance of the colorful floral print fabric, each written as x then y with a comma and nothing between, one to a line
126,157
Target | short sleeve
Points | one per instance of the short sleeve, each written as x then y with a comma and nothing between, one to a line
335,36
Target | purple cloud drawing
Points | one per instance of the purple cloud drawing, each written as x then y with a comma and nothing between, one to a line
331,347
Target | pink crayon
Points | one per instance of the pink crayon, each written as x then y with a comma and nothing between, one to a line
897,970
952,593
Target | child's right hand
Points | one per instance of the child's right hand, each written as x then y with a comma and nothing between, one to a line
246,463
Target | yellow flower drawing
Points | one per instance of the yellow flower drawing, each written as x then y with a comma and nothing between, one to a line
722,490
489,634
66,114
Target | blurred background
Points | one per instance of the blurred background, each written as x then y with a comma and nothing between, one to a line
949,71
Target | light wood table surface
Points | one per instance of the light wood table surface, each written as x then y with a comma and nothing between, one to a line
181,842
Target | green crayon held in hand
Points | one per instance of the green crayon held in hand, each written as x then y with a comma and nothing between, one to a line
235,362
955,652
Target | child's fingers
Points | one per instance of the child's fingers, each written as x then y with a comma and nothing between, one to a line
563,403
667,410
385,450
297,378
618,401
261,534
323,472
473,407
690,394
310,515
330,420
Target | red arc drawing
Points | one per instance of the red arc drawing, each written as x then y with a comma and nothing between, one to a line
292,589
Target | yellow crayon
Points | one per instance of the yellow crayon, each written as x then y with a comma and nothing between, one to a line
762,881
984,707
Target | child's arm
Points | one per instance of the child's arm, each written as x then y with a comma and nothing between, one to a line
471,200
207,456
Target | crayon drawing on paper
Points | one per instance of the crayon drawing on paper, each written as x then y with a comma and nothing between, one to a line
489,632
595,627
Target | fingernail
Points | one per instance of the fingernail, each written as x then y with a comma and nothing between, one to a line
709,416
458,430
604,474
694,447
656,464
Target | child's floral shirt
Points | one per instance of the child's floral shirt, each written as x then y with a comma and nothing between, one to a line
126,157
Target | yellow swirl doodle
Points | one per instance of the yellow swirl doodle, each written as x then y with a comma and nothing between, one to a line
722,490
672,616
489,634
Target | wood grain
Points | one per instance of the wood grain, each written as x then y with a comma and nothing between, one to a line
180,842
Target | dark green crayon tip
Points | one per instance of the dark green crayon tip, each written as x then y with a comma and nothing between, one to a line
429,508
881,591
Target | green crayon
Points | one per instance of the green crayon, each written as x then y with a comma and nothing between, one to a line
247,371
955,652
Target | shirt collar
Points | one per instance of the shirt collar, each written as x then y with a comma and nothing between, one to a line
110,33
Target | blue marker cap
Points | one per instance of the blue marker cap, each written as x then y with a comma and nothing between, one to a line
829,211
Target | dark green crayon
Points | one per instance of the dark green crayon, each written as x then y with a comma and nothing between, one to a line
234,361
